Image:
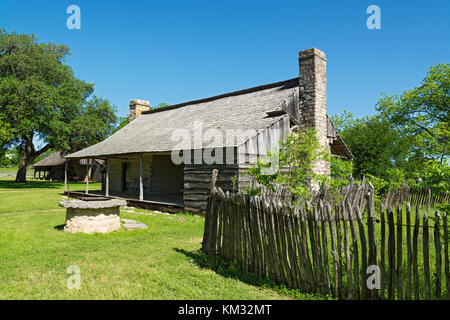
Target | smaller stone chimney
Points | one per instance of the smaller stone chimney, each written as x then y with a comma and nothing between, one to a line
137,106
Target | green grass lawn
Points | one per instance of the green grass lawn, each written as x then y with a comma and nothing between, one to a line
160,262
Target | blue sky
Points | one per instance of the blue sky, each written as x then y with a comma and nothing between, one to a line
175,51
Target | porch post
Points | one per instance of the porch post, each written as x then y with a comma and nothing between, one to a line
87,175
141,184
107,179
39,174
34,174
65,177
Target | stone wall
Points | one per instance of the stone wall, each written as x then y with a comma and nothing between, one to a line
92,216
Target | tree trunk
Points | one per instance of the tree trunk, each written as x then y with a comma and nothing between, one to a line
29,154
28,157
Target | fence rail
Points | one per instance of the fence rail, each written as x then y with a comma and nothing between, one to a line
348,251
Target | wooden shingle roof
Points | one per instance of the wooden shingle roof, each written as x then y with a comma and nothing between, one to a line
55,159
153,131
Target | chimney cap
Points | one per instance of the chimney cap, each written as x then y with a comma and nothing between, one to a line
140,102
304,54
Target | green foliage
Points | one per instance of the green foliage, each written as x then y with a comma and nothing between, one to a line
424,111
96,113
376,145
296,159
5,135
11,158
159,105
433,174
40,97
122,122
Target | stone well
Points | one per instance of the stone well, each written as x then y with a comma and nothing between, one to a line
92,216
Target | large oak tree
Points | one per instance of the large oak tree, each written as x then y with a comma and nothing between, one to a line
42,100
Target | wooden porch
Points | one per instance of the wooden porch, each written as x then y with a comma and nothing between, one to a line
128,177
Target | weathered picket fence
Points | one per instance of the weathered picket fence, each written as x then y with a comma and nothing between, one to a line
423,196
348,251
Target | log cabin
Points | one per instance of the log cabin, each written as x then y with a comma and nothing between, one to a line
53,168
143,158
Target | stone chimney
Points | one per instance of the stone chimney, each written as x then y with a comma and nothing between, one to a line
313,95
137,106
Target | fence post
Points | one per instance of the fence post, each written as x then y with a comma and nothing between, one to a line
206,243
426,257
447,272
399,252
437,245
408,246
416,253
371,233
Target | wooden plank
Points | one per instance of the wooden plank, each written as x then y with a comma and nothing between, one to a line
232,219
426,257
323,219
281,251
108,168
299,250
391,254
260,238
87,177
141,179
348,257
221,198
247,254
268,245
415,253
282,242
438,264
364,256
339,250
399,253
333,251
292,257
408,293
383,250
275,250
311,282
312,238
371,233
318,245
447,271
65,176
207,228
355,254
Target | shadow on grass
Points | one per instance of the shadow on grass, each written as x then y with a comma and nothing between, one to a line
59,227
231,270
